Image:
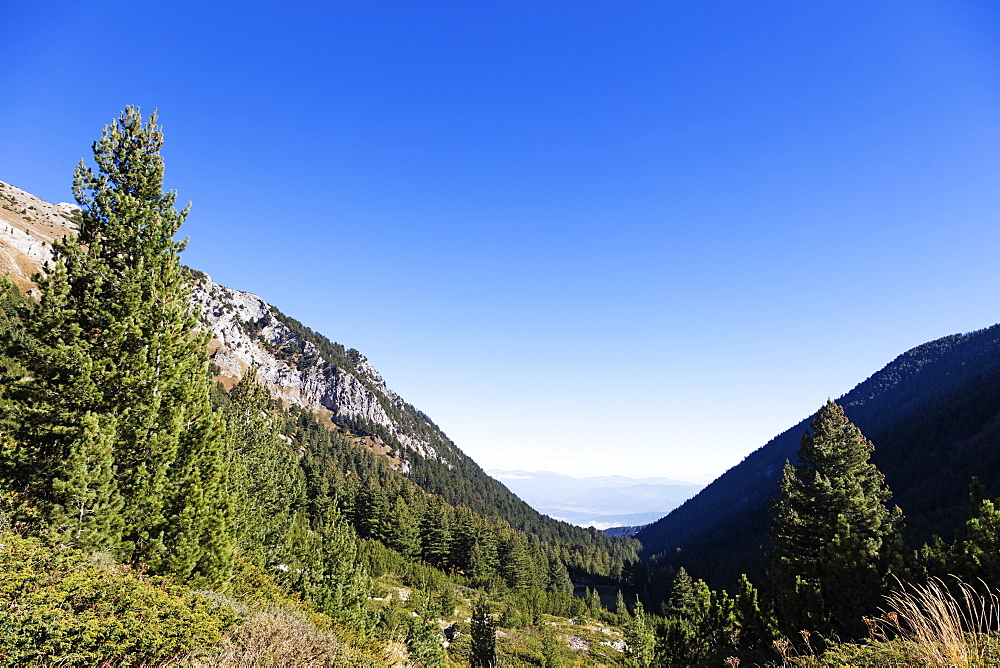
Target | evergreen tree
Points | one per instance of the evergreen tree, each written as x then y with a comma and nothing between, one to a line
834,535
267,483
435,533
682,595
345,585
754,623
115,441
620,608
371,512
516,564
640,641
550,646
484,636
557,577
424,641
404,537
975,552
484,562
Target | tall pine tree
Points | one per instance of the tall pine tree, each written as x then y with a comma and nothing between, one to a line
834,535
115,442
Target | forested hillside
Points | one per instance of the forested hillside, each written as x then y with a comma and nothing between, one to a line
257,489
932,414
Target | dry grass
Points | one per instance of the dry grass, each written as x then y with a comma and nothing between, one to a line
279,637
940,625
273,635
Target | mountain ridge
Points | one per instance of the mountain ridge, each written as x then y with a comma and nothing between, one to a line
298,366
731,513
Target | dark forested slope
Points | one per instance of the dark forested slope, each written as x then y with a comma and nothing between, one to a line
934,416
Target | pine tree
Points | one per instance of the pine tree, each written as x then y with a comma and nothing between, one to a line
640,641
404,537
424,640
557,576
756,628
435,533
834,535
267,483
620,608
484,636
116,443
974,554
516,565
550,646
682,595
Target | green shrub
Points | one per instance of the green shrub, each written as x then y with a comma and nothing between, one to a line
64,606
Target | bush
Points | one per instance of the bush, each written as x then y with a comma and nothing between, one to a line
281,636
69,607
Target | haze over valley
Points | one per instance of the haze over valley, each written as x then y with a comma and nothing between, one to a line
600,501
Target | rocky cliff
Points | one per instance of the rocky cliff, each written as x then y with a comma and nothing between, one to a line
299,366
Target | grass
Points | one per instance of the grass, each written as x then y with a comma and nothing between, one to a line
934,624
942,624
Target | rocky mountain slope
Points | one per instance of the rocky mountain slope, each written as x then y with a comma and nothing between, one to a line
299,366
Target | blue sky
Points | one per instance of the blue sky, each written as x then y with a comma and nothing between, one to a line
633,238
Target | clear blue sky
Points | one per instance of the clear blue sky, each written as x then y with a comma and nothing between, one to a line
591,237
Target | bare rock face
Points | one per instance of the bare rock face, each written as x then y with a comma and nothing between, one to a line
28,226
246,332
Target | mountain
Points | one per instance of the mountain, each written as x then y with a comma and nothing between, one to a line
933,414
300,367
317,492
599,501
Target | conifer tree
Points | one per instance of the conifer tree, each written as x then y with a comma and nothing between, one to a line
640,641
682,595
516,565
974,554
620,608
484,563
424,640
435,533
484,641
404,537
267,483
116,443
756,628
557,577
834,535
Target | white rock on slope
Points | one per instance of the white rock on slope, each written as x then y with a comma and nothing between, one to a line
28,225
316,384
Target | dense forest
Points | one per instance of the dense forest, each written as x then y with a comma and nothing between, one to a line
152,516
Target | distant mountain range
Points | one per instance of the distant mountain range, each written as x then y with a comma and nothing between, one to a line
600,501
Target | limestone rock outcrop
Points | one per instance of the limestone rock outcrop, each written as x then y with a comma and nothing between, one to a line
333,383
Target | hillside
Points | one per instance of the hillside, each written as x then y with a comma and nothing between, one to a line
185,430
301,368
933,414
